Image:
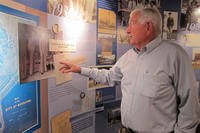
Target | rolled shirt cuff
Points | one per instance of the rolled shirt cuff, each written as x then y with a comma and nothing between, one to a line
85,71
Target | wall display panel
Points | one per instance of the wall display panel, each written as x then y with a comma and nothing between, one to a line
19,103
69,94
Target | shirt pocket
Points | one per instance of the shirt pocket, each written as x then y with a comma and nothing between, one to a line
150,86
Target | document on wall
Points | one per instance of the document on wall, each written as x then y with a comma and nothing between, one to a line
64,77
61,123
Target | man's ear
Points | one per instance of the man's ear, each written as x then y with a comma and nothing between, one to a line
150,27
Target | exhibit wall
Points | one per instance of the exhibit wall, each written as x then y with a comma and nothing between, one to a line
36,36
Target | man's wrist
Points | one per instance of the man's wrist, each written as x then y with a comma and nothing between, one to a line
78,70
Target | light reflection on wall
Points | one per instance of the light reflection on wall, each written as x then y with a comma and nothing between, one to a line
73,24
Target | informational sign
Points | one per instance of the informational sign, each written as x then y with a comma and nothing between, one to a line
62,45
19,103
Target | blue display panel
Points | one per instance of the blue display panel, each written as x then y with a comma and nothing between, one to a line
36,4
19,104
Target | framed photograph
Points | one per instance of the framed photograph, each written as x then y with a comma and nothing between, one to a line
170,25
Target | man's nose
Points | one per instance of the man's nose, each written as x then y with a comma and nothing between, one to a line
128,30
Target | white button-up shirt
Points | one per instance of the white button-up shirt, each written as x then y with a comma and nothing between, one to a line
151,82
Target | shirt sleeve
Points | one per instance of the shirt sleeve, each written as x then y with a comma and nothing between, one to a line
109,77
187,92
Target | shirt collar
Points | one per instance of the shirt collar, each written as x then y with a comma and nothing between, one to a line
150,46
153,44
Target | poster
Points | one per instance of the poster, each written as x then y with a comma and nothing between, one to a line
19,103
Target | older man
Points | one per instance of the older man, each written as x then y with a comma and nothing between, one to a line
159,90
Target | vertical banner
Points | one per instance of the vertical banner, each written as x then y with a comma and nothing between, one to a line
106,33
19,104
106,52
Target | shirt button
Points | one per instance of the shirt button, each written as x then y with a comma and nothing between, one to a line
146,71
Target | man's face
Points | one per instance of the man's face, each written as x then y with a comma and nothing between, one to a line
136,31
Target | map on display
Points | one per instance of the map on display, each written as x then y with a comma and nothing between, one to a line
19,108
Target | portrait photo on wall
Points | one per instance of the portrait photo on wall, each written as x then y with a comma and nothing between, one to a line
170,25
35,60
126,6
189,14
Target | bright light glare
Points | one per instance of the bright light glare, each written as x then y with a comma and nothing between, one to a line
74,24
197,12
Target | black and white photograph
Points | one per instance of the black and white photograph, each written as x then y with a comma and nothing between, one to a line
35,60
189,14
126,6
170,25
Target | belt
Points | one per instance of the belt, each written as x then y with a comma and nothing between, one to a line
128,130
131,131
